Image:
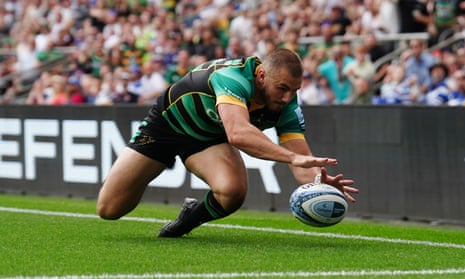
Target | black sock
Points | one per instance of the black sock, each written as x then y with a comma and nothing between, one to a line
209,209
214,207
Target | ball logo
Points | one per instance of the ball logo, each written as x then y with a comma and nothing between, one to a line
324,208
329,209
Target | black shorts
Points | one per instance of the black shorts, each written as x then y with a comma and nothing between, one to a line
157,140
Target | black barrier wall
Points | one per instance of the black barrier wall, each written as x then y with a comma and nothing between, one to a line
408,162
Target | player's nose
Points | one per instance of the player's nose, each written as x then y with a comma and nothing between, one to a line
287,96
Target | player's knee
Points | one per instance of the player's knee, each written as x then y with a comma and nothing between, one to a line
107,211
233,198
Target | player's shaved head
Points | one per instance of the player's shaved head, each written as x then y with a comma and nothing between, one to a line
283,58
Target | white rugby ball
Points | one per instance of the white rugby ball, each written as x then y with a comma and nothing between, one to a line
318,204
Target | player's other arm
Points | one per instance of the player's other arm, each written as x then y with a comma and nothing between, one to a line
248,138
305,175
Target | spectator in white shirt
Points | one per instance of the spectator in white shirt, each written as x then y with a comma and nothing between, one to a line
152,81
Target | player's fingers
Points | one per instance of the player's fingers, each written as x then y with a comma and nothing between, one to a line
349,197
323,161
346,182
333,180
350,189
330,161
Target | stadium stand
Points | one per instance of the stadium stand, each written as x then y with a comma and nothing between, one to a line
98,48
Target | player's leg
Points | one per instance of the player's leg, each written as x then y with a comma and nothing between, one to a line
222,168
126,183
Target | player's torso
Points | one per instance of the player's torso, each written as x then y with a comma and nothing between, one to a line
189,106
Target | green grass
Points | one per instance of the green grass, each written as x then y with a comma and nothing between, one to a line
35,245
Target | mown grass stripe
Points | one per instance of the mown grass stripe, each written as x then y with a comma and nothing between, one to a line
250,228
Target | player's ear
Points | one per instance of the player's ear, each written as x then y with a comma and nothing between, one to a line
261,73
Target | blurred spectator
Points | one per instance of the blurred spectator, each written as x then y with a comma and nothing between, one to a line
152,82
41,91
43,39
7,67
414,16
250,48
332,70
346,48
135,82
47,54
222,23
100,92
267,38
109,38
379,17
207,44
315,91
131,55
418,64
328,36
310,63
389,15
15,88
457,97
397,88
290,41
36,94
444,17
439,91
360,72
188,14
60,94
182,67
308,92
339,20
76,96
122,94
450,59
234,48
242,24
375,49
114,57
26,56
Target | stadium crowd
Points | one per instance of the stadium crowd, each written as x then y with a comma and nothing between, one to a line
130,51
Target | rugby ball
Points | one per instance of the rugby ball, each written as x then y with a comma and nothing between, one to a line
318,204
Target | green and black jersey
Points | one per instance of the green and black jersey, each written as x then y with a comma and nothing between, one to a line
189,105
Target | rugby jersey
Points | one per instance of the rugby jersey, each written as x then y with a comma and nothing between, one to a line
189,105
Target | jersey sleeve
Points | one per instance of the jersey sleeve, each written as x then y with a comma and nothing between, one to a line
231,87
291,124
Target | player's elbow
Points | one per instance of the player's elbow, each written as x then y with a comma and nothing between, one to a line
237,139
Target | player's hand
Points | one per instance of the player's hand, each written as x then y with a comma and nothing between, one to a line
310,161
340,183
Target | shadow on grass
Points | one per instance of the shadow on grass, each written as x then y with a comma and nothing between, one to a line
219,238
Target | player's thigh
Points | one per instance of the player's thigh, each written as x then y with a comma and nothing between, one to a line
126,183
221,167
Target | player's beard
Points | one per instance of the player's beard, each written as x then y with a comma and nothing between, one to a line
263,97
273,105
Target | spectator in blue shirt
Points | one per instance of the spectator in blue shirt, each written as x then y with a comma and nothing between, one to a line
419,63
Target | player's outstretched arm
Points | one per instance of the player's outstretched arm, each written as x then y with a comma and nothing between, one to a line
248,138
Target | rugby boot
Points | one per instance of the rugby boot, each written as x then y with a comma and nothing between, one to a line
181,225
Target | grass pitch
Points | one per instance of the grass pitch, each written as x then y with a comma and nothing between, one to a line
44,237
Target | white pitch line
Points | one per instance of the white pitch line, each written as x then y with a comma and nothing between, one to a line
296,274
250,228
